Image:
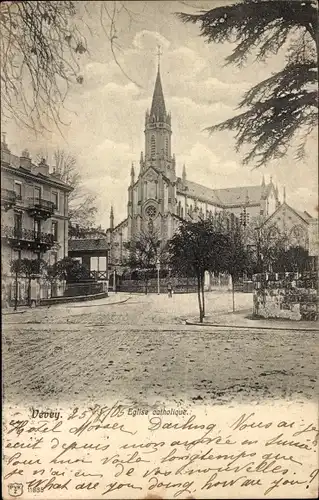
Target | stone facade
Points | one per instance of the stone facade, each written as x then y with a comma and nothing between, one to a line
286,296
34,219
158,199
298,228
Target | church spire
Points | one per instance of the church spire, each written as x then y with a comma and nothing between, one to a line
184,174
111,218
132,174
158,103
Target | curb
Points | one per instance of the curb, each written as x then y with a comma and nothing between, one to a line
107,304
250,327
13,312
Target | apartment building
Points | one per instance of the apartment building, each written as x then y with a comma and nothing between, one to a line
34,219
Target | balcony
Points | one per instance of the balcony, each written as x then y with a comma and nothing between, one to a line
27,239
40,209
8,199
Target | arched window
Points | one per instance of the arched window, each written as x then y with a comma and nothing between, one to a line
166,146
298,236
182,212
153,146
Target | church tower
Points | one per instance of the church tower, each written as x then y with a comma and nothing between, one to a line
158,133
152,196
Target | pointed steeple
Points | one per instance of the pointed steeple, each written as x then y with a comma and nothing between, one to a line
111,218
158,104
184,174
132,174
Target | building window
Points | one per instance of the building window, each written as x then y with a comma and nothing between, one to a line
182,212
153,145
17,224
102,264
18,190
37,227
37,193
166,146
55,199
55,230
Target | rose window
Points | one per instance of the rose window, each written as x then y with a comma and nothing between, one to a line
150,211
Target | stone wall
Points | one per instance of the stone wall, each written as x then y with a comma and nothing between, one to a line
291,296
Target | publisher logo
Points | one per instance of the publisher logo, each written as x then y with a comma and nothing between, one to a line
15,489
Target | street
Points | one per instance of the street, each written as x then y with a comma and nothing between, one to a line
140,348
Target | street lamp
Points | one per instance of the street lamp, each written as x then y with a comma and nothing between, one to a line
158,267
114,280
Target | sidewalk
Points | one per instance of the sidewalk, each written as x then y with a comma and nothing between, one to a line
244,319
112,298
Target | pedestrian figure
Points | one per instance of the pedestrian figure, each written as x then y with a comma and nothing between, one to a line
169,289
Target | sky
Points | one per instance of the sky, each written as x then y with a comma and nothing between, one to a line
106,112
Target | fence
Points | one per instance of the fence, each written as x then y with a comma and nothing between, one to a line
286,295
180,285
85,288
41,291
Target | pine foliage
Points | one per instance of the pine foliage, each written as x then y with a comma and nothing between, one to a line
285,105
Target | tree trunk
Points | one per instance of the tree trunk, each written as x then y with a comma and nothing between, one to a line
203,294
233,293
199,299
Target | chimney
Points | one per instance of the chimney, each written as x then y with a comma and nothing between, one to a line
25,160
5,151
43,168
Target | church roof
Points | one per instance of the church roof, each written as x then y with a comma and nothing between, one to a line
158,103
303,215
195,190
226,197
238,195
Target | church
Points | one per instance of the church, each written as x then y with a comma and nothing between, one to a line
158,199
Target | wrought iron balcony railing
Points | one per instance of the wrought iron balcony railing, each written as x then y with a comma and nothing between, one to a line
29,235
41,204
40,208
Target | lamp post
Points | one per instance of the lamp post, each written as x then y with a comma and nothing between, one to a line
114,280
158,267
